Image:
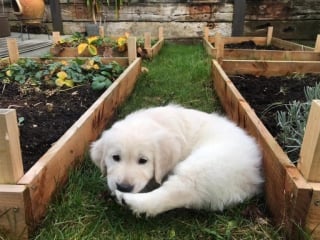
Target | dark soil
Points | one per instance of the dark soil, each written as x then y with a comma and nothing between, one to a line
263,94
251,45
45,114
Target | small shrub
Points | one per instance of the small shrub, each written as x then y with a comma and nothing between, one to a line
292,122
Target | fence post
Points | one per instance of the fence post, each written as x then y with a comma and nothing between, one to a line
269,35
132,49
160,33
206,33
11,167
219,45
317,46
309,163
56,37
147,40
13,50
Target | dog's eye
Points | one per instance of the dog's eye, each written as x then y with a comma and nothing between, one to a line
142,161
116,158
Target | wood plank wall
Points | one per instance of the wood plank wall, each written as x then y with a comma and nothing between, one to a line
292,19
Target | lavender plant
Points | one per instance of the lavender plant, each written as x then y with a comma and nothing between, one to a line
293,120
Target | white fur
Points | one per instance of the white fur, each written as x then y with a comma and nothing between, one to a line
211,162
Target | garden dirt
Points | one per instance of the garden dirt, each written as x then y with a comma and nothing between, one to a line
44,115
269,95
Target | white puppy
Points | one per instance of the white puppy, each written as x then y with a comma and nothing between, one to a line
199,160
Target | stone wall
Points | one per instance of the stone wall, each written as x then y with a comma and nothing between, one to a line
292,19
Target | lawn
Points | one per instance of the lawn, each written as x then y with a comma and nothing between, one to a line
82,210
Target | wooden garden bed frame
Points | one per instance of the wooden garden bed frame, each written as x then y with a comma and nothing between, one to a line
152,50
214,46
292,193
24,197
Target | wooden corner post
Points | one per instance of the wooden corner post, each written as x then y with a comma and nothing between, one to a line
13,50
317,46
309,163
160,33
11,167
132,49
206,33
56,37
147,40
219,45
269,35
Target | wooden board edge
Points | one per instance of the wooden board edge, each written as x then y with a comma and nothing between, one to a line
269,55
14,211
290,45
155,49
269,68
313,216
208,47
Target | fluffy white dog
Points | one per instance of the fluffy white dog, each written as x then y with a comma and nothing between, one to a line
199,160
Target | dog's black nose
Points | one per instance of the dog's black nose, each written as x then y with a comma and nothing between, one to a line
124,187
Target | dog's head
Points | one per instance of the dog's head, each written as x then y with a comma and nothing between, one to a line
134,153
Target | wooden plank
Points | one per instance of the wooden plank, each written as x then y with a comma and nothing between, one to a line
269,35
51,170
211,51
13,50
313,217
14,211
206,33
288,45
156,48
147,40
317,45
56,37
244,54
309,162
219,45
160,33
132,49
269,68
11,167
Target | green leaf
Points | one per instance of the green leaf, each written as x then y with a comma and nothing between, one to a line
106,73
96,85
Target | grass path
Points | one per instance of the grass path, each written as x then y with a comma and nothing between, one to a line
180,74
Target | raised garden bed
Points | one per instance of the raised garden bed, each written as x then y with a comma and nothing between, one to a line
26,195
292,192
259,48
147,47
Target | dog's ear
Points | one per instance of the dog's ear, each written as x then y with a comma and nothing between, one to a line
168,154
97,153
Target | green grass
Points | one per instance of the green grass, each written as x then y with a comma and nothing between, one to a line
180,74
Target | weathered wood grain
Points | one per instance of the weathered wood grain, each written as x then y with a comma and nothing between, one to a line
292,201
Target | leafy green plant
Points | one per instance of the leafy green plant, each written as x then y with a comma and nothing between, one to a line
293,120
62,73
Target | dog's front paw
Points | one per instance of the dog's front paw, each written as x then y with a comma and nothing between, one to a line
136,202
120,197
